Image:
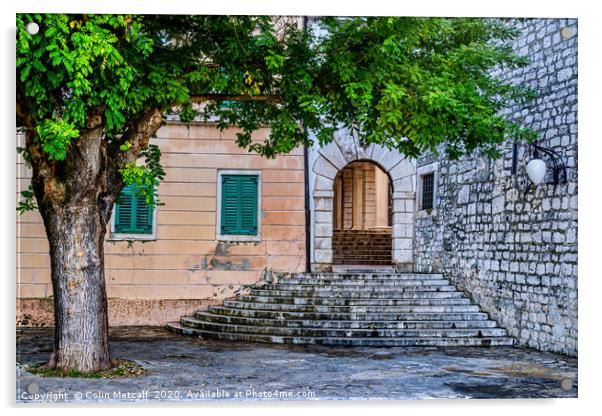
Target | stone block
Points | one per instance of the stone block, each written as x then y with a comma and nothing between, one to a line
391,159
402,256
323,243
407,184
378,153
333,154
323,256
402,244
323,183
323,217
322,204
403,169
324,168
323,230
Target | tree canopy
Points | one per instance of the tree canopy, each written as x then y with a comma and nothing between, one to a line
405,82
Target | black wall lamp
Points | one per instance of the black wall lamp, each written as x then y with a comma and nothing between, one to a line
537,168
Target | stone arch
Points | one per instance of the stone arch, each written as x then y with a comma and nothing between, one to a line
331,158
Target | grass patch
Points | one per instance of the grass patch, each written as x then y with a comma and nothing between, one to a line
120,369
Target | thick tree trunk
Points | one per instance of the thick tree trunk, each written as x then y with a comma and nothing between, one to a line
75,198
76,237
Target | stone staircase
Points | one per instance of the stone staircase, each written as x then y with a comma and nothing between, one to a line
365,247
353,308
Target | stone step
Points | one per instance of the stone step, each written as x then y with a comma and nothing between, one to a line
349,256
367,274
373,251
367,288
351,302
362,237
357,240
341,242
361,244
343,324
361,251
366,342
353,333
359,235
374,230
363,247
368,250
350,309
364,283
347,316
359,294
362,306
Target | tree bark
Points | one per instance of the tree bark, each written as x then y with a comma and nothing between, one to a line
81,334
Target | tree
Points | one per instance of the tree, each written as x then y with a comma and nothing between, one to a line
93,89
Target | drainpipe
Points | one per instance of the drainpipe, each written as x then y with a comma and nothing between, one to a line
307,209
306,180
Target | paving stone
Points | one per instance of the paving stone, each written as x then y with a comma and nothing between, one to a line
193,369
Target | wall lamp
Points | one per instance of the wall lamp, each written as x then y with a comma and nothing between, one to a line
537,168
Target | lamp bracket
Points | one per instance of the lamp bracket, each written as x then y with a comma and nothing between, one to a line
559,174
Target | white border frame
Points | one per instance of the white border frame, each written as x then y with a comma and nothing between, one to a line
420,172
232,237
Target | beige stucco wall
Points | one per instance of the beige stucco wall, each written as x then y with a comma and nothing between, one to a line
186,261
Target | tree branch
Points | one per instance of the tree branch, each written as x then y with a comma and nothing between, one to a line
138,134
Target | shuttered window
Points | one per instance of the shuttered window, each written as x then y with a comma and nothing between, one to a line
132,214
239,204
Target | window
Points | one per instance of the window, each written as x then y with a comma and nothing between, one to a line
239,200
428,187
514,168
133,218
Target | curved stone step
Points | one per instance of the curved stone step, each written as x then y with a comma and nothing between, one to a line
375,316
365,283
329,294
355,288
343,333
343,324
351,302
362,306
351,309
367,275
365,342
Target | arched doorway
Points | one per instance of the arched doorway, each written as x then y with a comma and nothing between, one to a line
362,208
326,162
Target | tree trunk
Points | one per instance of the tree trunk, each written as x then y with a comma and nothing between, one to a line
76,236
75,198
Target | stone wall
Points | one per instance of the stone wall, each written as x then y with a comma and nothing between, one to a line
515,253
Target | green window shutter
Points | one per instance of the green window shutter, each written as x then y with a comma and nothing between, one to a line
123,211
132,214
239,204
229,214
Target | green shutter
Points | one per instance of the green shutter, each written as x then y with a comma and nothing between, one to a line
239,205
132,214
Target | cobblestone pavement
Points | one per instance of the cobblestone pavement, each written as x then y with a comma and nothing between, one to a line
183,368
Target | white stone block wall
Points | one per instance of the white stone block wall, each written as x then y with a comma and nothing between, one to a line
516,253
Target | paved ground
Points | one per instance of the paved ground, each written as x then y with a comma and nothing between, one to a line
183,368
